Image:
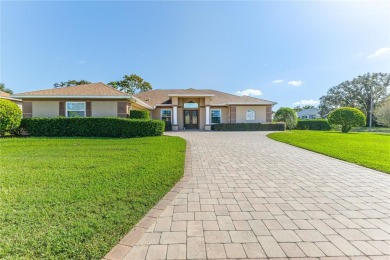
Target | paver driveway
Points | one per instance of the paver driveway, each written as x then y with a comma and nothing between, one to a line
252,197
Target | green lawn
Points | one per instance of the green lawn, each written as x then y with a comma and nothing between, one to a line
371,150
74,198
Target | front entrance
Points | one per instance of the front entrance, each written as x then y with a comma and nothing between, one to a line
191,119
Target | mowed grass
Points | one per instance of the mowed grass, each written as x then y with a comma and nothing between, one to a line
74,198
371,150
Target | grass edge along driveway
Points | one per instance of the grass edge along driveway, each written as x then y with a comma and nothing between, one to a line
75,198
371,150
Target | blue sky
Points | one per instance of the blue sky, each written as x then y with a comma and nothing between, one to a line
289,51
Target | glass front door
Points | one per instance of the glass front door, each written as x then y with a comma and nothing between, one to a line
191,119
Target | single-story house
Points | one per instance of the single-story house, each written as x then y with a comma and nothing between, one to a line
183,108
96,99
199,109
5,95
310,113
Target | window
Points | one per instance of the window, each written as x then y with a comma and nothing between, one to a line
250,115
75,109
166,115
191,104
216,116
304,117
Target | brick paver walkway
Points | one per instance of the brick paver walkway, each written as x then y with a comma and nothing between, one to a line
252,197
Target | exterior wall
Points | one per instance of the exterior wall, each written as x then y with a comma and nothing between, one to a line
311,113
259,118
45,108
104,108
224,114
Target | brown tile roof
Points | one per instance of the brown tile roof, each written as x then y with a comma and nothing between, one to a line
160,96
4,94
88,90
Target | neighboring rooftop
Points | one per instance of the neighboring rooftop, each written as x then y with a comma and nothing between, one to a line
93,90
163,96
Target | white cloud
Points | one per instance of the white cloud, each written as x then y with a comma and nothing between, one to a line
295,83
379,52
277,81
249,92
305,102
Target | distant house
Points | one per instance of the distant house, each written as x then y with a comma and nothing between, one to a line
183,108
311,113
5,95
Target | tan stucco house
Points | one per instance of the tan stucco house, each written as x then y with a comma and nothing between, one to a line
183,108
199,109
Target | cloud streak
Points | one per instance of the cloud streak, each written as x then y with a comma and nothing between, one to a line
249,92
380,52
305,102
295,83
277,81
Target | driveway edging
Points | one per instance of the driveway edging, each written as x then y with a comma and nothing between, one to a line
130,239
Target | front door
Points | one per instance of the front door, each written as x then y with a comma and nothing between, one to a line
191,119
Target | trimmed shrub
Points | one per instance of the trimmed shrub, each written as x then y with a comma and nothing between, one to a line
287,115
10,116
314,124
280,126
91,127
139,114
347,117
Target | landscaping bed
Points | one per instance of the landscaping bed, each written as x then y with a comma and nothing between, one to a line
74,198
367,149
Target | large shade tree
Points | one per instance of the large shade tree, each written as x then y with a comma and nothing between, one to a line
131,84
359,92
71,83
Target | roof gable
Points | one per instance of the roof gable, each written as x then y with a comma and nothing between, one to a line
96,90
162,96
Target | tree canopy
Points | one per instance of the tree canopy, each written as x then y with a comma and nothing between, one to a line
131,84
287,115
357,93
70,83
382,113
347,117
299,108
4,89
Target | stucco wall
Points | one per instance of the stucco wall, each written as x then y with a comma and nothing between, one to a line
104,108
45,108
224,114
259,118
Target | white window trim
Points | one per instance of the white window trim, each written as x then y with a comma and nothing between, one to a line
66,107
161,113
220,116
246,117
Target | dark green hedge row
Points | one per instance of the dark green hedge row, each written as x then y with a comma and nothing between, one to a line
313,124
91,127
279,126
139,114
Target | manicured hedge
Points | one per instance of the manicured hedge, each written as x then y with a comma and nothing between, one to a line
279,126
91,127
139,114
313,124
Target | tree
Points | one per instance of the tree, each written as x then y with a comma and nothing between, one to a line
71,83
347,117
360,92
287,115
10,116
4,89
297,109
131,84
382,113
308,107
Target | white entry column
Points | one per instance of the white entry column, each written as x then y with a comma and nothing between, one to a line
175,127
207,126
